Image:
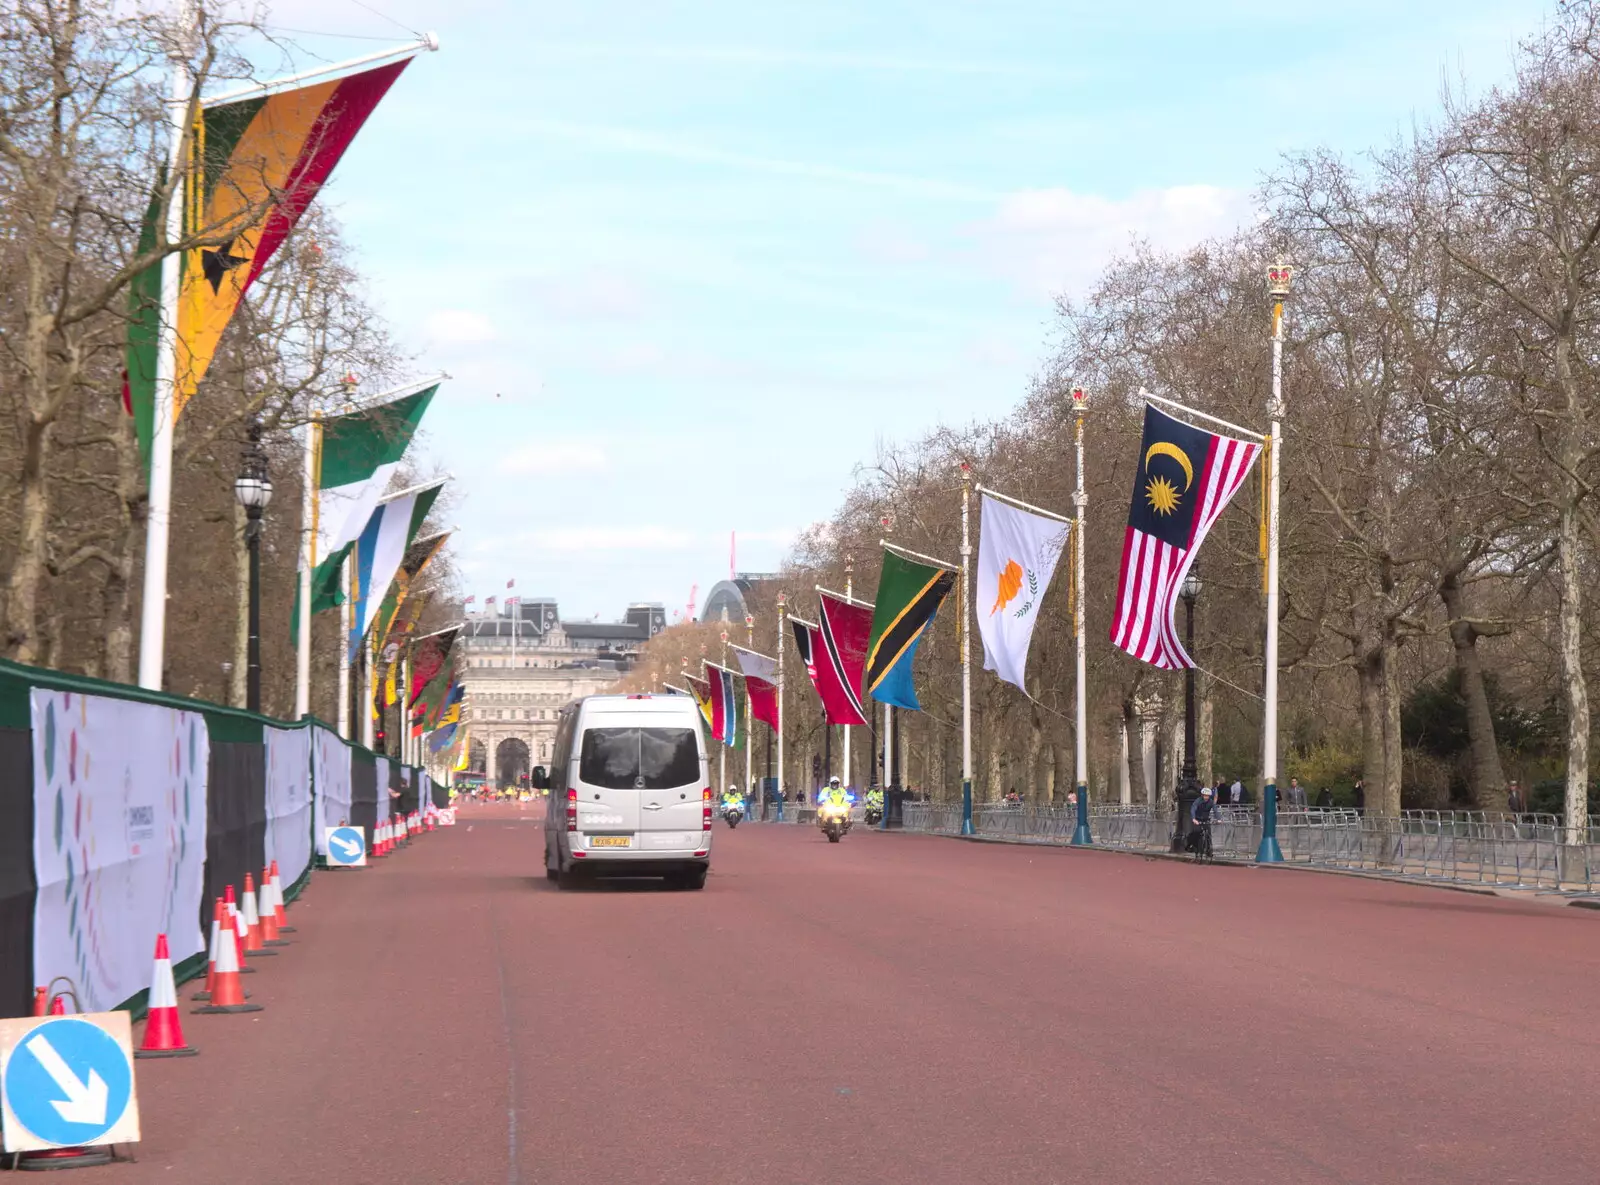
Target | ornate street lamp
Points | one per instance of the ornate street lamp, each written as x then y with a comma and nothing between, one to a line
1188,789
253,488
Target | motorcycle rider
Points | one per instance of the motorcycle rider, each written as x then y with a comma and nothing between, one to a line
732,799
835,794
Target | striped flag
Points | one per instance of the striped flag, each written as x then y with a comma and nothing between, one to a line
1185,479
845,628
724,709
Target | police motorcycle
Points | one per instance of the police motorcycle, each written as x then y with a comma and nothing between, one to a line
833,811
732,807
874,811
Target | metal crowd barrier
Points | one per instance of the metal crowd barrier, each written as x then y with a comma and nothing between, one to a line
1458,847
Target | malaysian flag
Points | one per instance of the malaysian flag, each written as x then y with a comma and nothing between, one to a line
1186,478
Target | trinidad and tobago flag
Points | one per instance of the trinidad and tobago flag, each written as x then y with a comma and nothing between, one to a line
1186,477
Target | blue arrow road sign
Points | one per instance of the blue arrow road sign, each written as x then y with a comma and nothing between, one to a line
346,845
68,1082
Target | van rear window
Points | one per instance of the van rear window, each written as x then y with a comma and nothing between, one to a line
639,758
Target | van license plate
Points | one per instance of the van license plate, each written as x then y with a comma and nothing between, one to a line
610,841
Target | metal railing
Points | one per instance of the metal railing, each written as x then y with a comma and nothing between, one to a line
1457,847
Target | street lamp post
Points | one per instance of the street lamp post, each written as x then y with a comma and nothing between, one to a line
253,488
1187,789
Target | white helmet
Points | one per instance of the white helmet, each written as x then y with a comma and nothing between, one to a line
832,782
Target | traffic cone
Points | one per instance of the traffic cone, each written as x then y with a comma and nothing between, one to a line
221,923
228,994
277,902
58,1006
252,921
41,1002
269,915
163,1031
233,917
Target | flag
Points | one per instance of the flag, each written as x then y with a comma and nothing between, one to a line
472,600
1017,556
702,695
353,458
488,603
439,740
760,685
419,554
512,583
466,751
909,594
429,655
378,551
844,629
1186,477
253,167
724,711
390,691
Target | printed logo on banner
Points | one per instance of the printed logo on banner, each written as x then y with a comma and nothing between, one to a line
67,1081
141,826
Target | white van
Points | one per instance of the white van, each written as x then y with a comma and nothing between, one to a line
629,791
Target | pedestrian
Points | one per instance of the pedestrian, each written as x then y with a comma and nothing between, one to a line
1297,795
1236,791
1325,798
1361,796
1516,799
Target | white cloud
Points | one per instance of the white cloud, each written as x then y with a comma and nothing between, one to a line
552,458
1055,240
591,539
593,295
459,327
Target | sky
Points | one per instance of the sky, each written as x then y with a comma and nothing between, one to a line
689,263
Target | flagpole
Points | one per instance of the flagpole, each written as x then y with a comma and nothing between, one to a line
158,520
344,649
1080,500
966,650
849,591
783,601
400,702
722,752
308,561
369,690
888,719
749,740
1278,279
428,42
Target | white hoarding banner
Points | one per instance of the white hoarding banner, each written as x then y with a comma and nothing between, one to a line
330,774
385,803
289,800
119,840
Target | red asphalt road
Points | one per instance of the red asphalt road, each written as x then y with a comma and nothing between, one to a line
896,1008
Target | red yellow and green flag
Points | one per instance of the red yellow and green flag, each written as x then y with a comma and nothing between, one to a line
253,167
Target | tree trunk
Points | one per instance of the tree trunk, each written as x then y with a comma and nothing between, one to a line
1030,776
1572,678
1389,705
1203,731
1124,777
1486,778
22,641
1133,741
1369,684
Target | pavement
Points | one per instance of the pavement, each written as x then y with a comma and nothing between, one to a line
894,1008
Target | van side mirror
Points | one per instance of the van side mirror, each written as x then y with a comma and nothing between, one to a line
541,778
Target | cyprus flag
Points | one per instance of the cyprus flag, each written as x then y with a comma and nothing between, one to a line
1017,554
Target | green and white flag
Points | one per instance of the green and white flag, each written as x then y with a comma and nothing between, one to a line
376,553
354,458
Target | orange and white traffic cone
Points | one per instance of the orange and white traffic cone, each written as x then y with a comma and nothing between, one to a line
233,917
228,993
252,921
163,1031
277,902
269,911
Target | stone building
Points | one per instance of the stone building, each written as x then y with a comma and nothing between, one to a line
522,664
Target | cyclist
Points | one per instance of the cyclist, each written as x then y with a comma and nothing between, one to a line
1200,821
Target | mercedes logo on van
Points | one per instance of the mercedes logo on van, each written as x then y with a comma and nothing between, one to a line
638,783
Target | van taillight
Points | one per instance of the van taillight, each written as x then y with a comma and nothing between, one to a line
705,809
572,810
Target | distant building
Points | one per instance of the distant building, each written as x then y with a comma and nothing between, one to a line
726,600
523,664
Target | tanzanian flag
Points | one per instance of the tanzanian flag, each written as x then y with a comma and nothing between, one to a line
253,167
909,594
